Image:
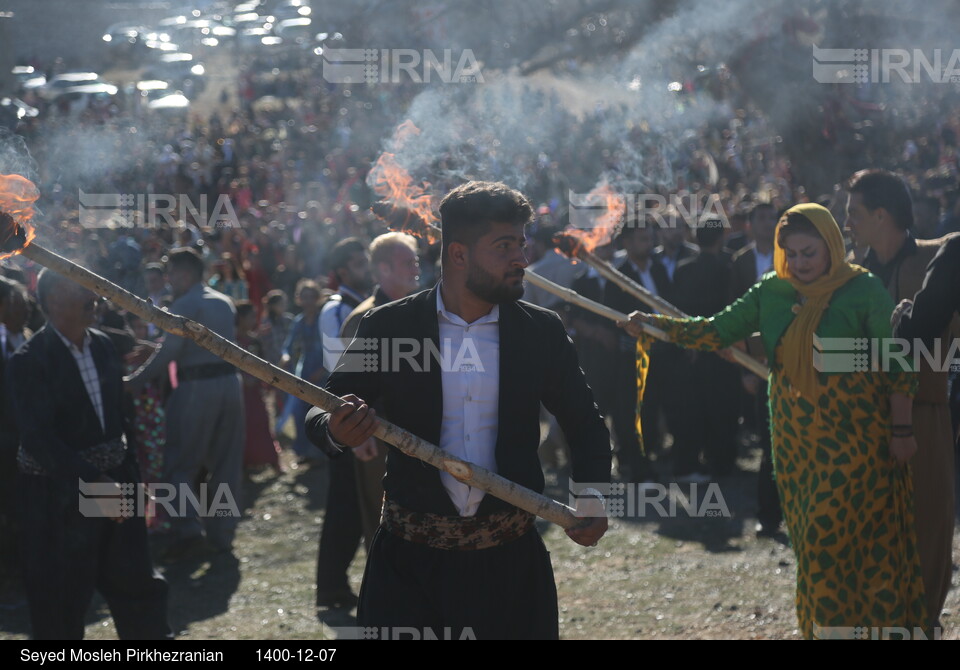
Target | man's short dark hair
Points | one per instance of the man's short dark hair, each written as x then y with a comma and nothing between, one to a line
244,308
186,258
880,188
47,283
709,232
343,251
759,207
306,285
467,211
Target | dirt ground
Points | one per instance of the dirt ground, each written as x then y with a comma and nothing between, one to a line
650,578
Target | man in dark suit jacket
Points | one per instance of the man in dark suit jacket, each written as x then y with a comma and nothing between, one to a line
673,248
662,385
448,556
701,285
756,258
596,337
749,264
66,386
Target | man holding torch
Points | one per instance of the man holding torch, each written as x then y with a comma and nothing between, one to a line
466,365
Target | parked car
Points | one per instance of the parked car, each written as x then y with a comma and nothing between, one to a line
181,69
61,82
27,77
96,95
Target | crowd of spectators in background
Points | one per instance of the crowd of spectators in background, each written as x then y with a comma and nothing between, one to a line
290,153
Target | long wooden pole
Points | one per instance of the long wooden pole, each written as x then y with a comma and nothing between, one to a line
574,298
408,443
664,307
627,284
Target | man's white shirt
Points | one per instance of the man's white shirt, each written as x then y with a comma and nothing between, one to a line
471,395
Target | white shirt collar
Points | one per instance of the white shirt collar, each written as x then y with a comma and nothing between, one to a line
492,317
643,273
70,345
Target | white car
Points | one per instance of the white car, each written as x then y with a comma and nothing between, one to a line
27,77
61,82
122,33
85,96
295,31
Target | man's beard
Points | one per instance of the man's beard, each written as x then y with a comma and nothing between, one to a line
486,287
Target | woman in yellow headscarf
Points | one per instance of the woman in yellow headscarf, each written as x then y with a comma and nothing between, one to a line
841,432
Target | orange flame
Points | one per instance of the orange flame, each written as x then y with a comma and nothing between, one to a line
395,187
17,196
603,227
404,131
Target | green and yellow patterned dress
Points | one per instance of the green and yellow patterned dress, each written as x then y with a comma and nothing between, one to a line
847,505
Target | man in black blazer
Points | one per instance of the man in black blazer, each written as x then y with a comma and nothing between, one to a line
597,338
756,258
749,264
66,387
701,286
663,386
674,247
448,557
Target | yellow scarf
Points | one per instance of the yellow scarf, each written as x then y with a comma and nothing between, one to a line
798,339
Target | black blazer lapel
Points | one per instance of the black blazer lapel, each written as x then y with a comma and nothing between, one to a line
511,381
524,359
660,277
429,383
626,267
110,393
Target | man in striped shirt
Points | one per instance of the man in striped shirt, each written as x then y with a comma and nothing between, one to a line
66,388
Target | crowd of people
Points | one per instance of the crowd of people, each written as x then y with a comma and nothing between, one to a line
303,258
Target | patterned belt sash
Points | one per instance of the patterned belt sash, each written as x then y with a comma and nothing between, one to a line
104,456
462,533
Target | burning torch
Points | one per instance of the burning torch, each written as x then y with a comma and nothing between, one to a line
17,197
